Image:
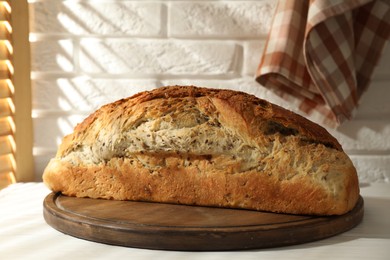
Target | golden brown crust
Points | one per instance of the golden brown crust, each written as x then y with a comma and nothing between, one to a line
159,146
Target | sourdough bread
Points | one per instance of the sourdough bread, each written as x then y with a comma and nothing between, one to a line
209,147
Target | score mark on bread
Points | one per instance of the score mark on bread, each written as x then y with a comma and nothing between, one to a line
208,147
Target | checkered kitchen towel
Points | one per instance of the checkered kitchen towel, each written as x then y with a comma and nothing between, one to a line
321,53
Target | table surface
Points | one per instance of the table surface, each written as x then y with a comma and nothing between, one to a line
24,234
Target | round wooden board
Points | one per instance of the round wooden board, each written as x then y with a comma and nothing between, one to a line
179,227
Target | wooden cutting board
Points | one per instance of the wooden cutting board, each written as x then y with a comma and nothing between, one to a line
179,227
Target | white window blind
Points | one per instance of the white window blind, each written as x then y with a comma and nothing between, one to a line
16,162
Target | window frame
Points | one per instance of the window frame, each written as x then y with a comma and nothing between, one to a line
19,88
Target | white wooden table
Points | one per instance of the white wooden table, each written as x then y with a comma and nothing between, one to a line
24,234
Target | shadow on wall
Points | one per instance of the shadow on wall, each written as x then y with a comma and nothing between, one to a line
88,18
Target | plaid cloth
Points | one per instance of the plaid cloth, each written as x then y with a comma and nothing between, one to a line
321,54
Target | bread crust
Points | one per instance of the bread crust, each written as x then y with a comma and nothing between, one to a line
208,147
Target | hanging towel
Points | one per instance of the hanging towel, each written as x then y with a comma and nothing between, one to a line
322,53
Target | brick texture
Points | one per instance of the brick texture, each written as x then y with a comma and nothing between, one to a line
121,18
88,53
52,55
83,94
220,18
158,57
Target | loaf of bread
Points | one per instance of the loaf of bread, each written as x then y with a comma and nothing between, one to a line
208,147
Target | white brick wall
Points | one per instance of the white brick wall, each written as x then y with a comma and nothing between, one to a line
88,53
157,56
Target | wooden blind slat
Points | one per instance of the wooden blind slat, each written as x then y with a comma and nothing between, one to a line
4,70
4,14
6,178
6,1
6,146
5,109
4,33
6,163
5,126
5,91
4,52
